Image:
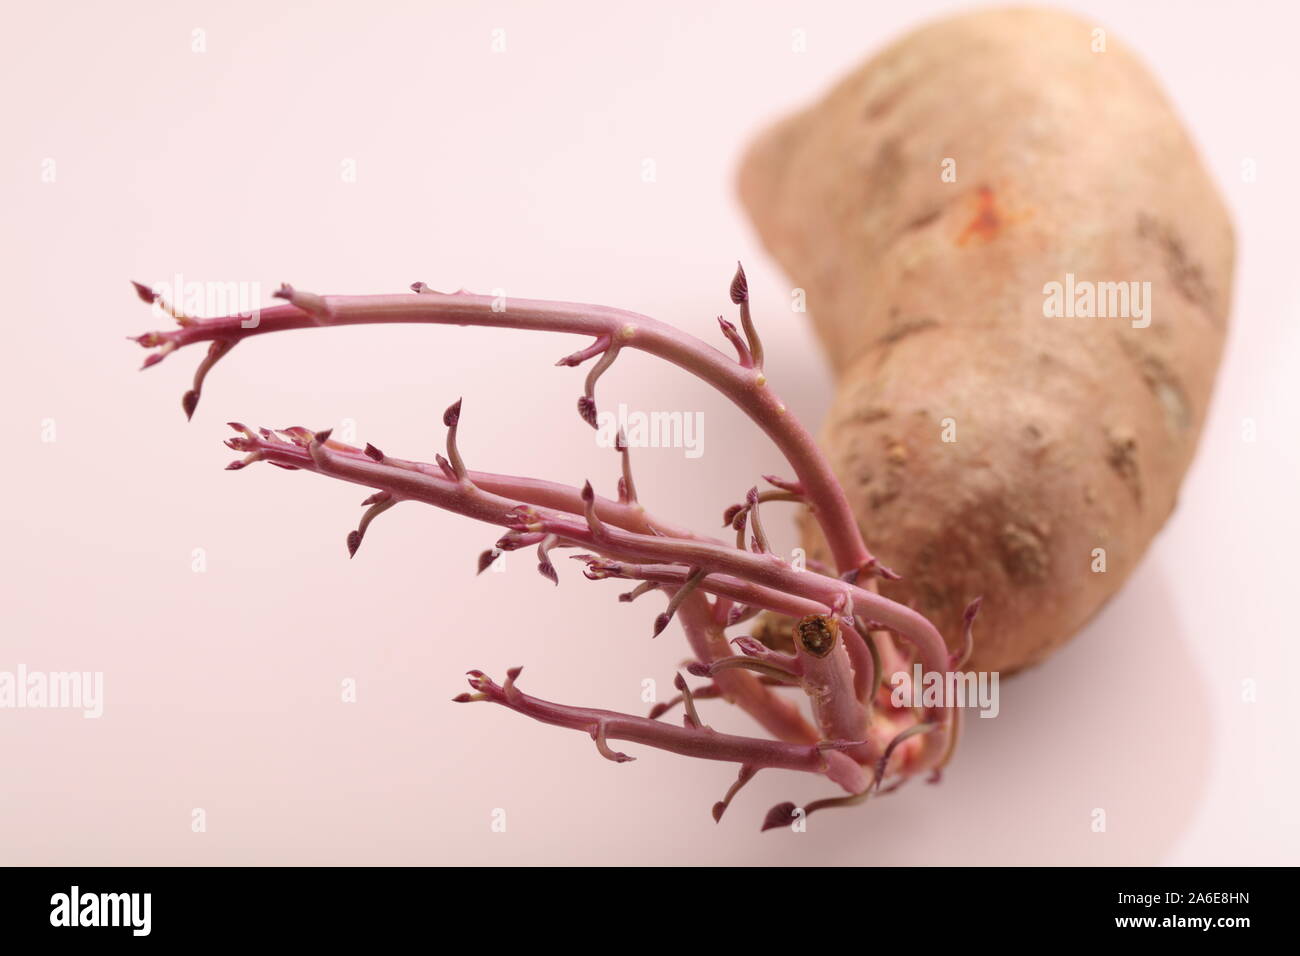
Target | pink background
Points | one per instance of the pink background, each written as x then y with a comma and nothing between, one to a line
522,170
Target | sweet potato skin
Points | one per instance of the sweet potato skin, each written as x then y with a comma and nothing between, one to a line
1071,434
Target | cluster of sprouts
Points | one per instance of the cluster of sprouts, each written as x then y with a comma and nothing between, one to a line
847,640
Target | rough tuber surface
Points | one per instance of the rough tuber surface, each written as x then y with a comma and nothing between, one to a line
924,206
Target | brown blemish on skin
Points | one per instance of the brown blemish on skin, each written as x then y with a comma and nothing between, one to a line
901,329
883,495
1164,383
879,485
1024,557
882,104
816,634
887,167
867,415
1187,275
1036,444
932,598
1121,455
923,220
925,556
987,220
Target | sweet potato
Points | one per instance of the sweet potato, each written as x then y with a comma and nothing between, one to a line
989,448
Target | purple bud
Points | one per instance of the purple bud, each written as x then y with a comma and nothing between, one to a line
354,542
729,515
738,522
465,698
235,465
452,415
777,482
749,646
660,623
887,573
146,294
657,711
719,809
486,558
751,497
679,682
547,570
189,402
445,465
587,409
588,493
373,452
696,669
324,436
779,816
739,286
972,609
620,441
